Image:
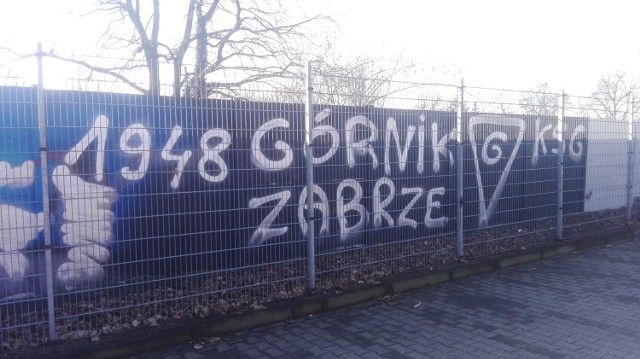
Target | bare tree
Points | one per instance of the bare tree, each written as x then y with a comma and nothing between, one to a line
359,81
222,44
453,105
541,101
613,96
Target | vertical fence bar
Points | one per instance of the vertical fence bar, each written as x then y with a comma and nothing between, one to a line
42,123
560,169
308,124
459,172
630,165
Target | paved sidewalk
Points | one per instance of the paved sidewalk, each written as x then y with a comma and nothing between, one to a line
580,305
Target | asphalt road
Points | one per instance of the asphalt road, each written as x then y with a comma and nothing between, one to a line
580,305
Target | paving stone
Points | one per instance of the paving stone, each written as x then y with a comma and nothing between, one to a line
349,356
193,355
567,306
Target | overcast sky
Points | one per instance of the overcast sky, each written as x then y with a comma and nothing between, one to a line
513,44
492,43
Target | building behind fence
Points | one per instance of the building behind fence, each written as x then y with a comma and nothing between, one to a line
121,210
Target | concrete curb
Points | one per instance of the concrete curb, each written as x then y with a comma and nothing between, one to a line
518,260
558,251
147,340
404,285
358,296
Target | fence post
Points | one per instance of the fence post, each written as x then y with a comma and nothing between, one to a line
560,199
459,172
308,128
630,165
42,123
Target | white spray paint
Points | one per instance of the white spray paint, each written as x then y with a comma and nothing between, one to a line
378,206
136,141
576,156
17,177
87,226
17,226
402,219
264,232
495,148
391,129
258,158
431,204
421,135
362,147
539,142
98,133
181,159
486,211
212,154
323,130
322,206
439,147
575,147
353,205
556,136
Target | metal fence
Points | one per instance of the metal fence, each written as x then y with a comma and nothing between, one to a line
120,211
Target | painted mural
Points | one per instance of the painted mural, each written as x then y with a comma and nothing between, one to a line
164,186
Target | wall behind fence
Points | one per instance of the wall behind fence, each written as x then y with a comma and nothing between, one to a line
146,185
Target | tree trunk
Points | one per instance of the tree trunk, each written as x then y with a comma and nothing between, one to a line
177,78
199,80
154,74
